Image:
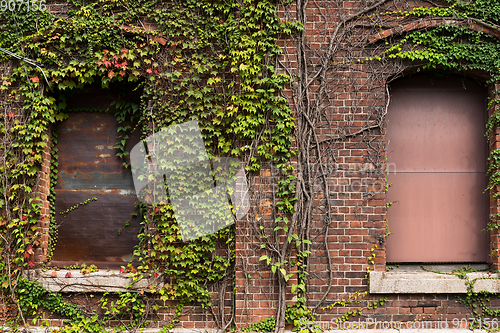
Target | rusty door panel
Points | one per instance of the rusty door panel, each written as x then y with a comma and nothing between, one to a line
88,167
436,219
96,233
437,167
87,157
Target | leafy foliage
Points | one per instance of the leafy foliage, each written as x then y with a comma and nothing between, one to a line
206,60
444,47
265,325
213,61
33,296
461,47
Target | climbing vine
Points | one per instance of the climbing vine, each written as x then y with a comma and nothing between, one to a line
345,73
219,63
210,61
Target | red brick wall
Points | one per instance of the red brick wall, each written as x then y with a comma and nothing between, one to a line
357,191
357,179
494,143
43,192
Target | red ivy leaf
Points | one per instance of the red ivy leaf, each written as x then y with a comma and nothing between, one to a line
68,275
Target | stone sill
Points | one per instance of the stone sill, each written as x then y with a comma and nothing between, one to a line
100,281
414,280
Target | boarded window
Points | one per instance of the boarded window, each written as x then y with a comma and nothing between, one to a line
437,167
94,233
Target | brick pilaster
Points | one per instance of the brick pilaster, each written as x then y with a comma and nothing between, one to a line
494,143
43,192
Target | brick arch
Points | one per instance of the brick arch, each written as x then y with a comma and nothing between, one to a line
399,30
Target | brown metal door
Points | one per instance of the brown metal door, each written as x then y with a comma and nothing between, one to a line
437,167
94,233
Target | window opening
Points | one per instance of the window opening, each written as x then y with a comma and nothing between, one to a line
437,170
90,170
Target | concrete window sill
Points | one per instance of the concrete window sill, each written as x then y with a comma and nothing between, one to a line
411,279
100,281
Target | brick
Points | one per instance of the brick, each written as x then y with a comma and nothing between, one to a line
357,216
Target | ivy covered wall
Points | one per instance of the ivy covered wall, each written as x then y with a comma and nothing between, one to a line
295,90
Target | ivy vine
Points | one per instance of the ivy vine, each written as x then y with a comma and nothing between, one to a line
210,61
216,62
